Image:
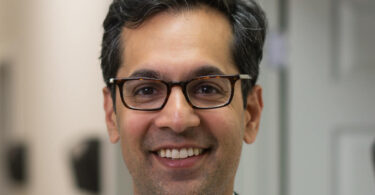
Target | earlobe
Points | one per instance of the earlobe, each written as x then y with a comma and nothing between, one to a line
253,111
110,116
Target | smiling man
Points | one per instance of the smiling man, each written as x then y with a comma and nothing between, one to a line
181,94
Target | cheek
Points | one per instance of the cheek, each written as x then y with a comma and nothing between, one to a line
133,126
226,124
229,126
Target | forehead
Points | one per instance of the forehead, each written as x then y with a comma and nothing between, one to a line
174,44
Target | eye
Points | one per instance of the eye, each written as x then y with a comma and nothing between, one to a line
207,89
145,91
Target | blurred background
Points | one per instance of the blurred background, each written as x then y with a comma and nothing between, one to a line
318,128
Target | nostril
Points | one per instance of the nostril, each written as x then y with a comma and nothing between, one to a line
176,121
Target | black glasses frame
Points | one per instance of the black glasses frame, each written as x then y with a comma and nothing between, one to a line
232,78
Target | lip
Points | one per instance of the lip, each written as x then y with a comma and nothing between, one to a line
190,162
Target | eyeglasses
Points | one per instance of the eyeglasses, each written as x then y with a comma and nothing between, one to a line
206,92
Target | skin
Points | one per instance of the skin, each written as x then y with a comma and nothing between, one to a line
175,45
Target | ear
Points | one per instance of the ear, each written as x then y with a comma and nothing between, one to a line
110,116
253,111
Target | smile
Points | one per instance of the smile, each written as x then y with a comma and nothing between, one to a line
181,158
181,153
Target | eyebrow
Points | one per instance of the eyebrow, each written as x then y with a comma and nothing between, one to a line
206,71
201,71
146,73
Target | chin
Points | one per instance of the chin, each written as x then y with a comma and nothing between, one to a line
184,187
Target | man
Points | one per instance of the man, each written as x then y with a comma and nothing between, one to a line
173,97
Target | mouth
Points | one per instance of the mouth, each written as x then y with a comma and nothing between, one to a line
180,157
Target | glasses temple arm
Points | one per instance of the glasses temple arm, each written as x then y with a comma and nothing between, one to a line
244,76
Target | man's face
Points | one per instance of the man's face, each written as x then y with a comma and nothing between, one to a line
177,47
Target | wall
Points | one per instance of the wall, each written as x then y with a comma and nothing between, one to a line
53,49
331,104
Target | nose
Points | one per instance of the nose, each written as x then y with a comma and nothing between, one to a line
177,114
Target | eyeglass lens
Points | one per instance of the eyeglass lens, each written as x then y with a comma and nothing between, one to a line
144,94
210,92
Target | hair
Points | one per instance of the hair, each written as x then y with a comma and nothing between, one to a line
247,19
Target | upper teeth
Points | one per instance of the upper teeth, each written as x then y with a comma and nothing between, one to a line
179,153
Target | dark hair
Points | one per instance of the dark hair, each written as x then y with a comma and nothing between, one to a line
247,19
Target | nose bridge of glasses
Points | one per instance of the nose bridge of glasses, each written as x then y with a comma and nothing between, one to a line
182,86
